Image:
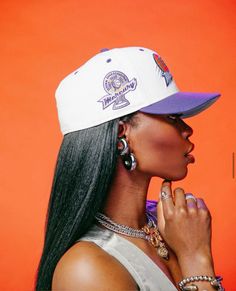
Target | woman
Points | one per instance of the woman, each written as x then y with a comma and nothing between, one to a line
121,116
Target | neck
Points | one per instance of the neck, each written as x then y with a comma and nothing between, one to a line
126,202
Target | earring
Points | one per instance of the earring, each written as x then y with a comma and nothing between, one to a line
125,147
128,159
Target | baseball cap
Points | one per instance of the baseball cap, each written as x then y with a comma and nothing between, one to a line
120,81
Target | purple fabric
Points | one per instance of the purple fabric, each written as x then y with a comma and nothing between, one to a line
151,206
184,103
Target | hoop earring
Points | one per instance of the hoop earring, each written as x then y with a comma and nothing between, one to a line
128,159
125,148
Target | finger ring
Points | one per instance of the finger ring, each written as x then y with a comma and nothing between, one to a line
165,195
190,196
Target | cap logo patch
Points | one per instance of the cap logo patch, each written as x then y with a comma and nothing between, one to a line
164,69
117,85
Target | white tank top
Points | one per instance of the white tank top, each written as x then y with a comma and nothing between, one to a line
147,275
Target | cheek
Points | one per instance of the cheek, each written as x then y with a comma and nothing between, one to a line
167,149
162,156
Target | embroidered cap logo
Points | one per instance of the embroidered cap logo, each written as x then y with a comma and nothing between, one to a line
117,85
164,69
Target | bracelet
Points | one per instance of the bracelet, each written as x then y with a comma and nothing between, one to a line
214,281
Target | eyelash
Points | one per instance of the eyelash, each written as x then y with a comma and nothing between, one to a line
173,117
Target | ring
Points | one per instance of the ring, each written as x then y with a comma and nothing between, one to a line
190,196
165,195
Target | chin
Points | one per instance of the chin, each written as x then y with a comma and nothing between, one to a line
177,177
176,173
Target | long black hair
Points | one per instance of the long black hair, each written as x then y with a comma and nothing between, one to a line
85,166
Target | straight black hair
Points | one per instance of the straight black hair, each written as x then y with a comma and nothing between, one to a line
84,170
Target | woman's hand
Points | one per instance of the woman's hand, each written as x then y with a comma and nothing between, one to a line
185,225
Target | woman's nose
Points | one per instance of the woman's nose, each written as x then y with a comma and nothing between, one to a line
187,131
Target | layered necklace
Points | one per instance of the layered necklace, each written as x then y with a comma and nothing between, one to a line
148,232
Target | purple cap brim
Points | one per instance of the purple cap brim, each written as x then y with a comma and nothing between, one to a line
185,103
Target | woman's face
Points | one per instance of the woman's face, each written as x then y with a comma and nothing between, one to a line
160,144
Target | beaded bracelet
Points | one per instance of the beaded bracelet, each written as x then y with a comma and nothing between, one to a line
214,281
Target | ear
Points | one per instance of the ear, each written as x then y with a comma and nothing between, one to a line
123,129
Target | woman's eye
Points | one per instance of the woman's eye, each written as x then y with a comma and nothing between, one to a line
173,117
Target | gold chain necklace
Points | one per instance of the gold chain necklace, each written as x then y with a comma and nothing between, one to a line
149,232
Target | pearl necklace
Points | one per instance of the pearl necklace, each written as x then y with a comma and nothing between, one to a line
149,232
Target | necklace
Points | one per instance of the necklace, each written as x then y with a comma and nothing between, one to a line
148,232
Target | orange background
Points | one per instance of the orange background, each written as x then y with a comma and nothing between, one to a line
42,41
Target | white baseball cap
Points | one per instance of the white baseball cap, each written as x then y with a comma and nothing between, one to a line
118,82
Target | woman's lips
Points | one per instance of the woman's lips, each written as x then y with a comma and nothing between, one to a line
190,158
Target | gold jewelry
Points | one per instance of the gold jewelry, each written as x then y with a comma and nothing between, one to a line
156,240
149,232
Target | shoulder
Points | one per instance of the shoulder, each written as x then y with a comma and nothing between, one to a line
85,266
